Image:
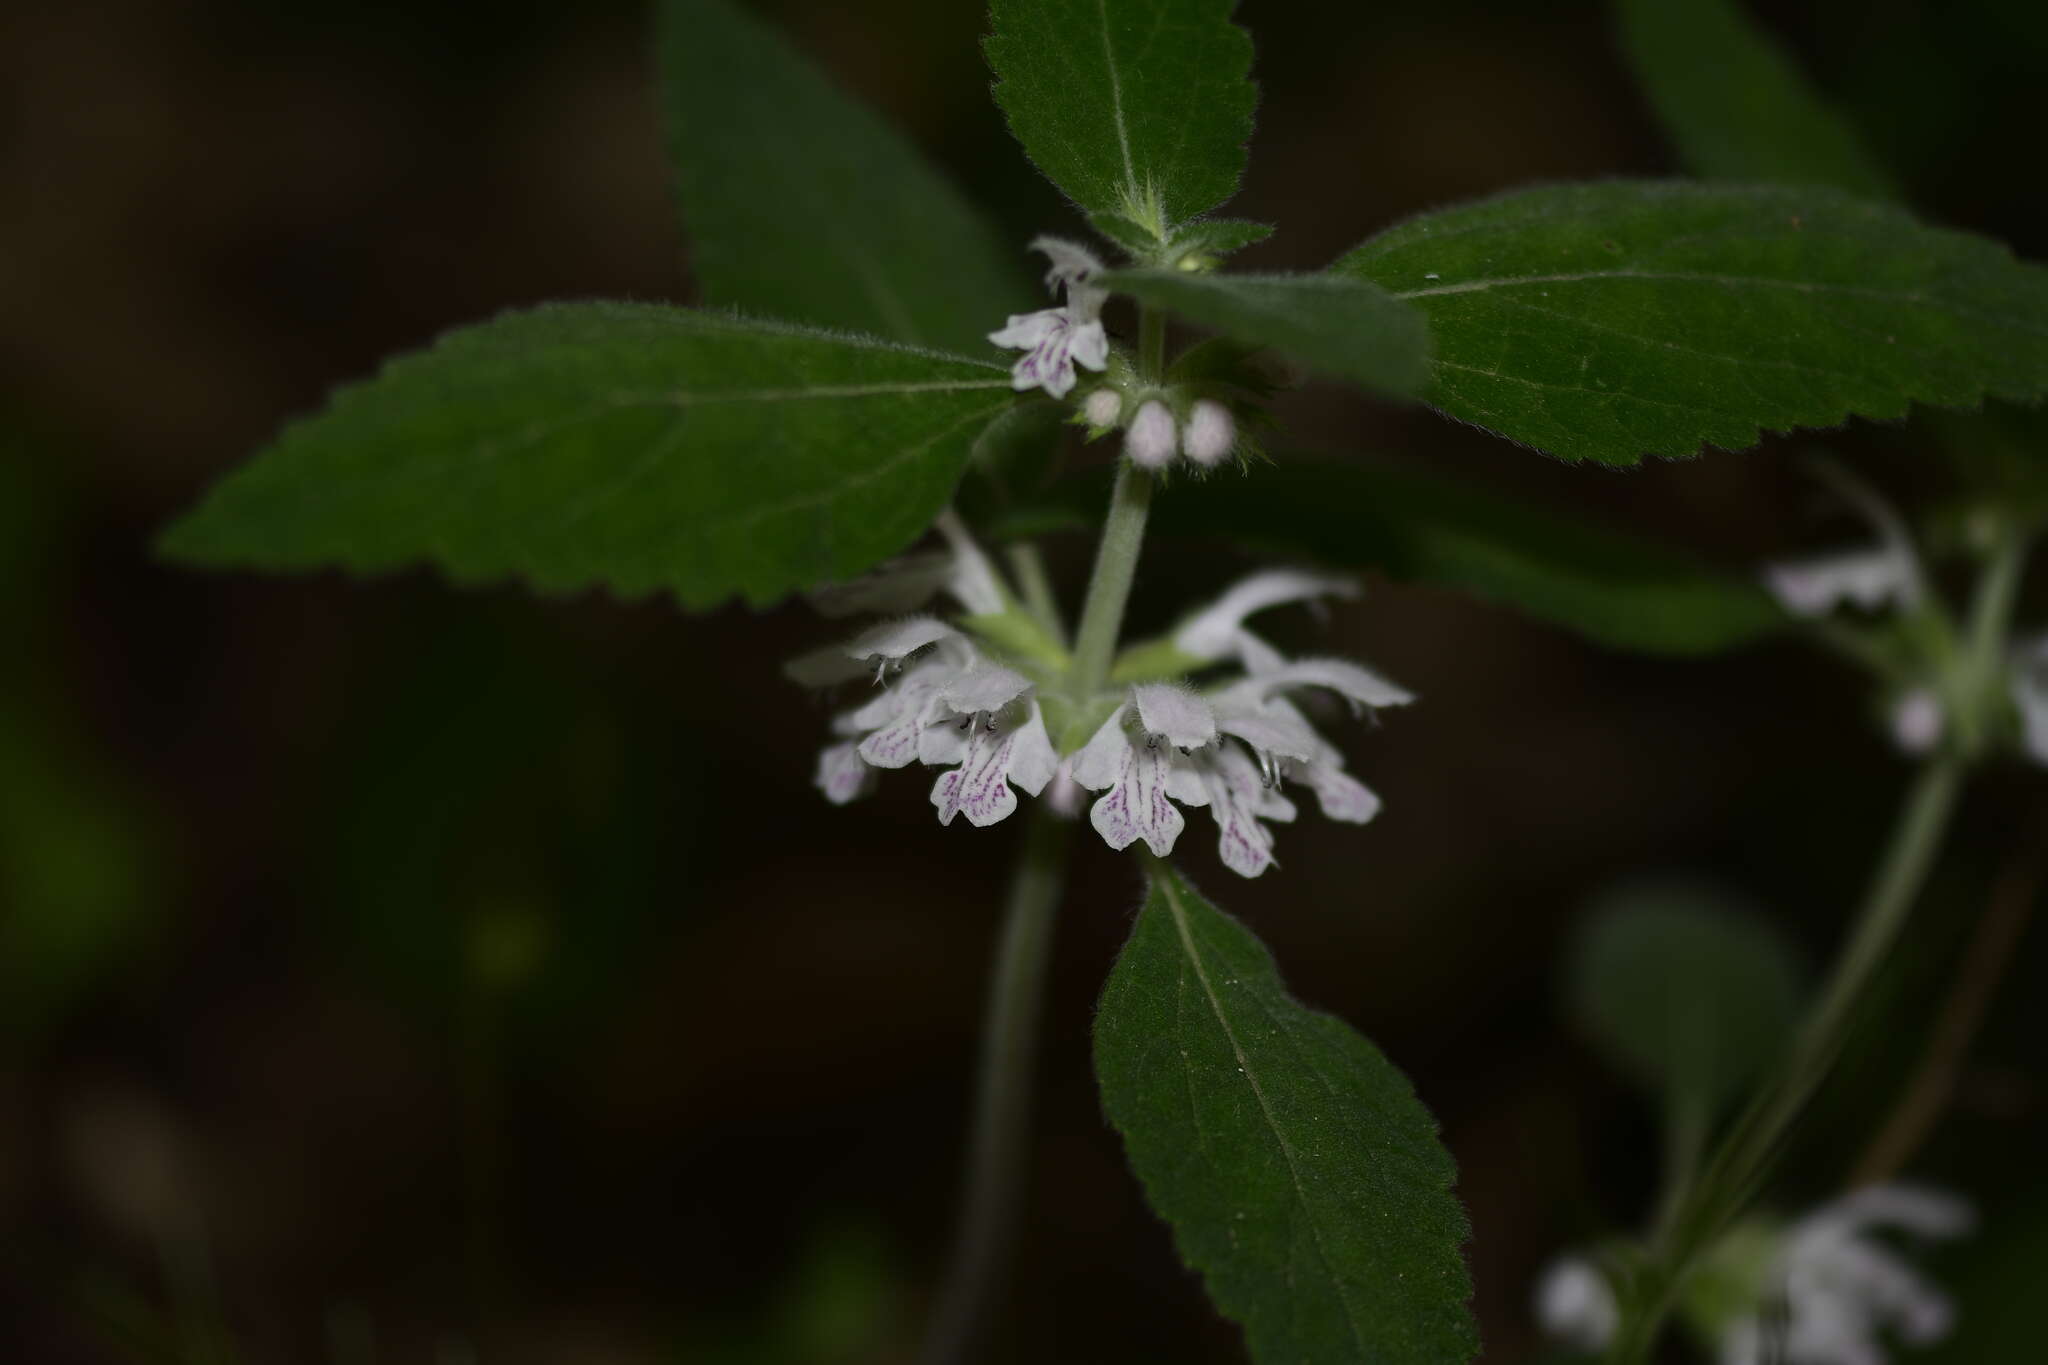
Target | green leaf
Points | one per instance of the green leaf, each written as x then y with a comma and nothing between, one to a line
1138,108
1736,103
1299,1172
1132,237
1343,327
1221,236
1682,989
1613,588
803,203
629,445
1615,320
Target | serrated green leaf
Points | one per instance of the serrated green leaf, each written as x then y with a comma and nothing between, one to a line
1613,588
1138,108
627,445
803,203
1737,105
1616,320
1298,1170
1683,990
1345,328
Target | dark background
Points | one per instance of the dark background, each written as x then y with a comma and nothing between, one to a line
401,974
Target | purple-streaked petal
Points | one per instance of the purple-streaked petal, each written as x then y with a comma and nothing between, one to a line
842,775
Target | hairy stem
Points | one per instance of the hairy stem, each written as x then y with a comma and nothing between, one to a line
1116,564
1123,536
998,1141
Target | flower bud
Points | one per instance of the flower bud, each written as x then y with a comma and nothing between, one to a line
1211,433
1103,407
1917,721
1151,439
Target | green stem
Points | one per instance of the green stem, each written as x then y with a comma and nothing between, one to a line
1983,667
998,1141
1116,564
1738,1167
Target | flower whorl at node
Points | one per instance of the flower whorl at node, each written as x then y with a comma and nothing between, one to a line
1930,695
1822,1291
948,699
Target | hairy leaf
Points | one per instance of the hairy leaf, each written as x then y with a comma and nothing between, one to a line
1682,989
1298,1170
1340,326
1621,319
1735,103
629,445
1613,588
803,203
1138,108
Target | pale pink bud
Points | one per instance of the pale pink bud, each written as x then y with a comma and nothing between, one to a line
1211,433
1151,440
1103,407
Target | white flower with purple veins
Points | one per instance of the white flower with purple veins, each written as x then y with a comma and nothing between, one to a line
946,699
1230,748
1055,339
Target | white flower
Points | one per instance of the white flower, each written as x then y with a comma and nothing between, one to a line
1227,751
1841,1288
988,723
1575,1304
1870,578
1217,631
1821,1292
1211,432
2030,695
1151,440
1140,778
1053,339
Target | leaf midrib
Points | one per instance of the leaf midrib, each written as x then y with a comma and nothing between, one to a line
1116,105
1914,296
1167,883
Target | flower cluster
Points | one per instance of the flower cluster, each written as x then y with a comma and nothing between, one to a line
1887,574
1823,1291
947,696
1160,422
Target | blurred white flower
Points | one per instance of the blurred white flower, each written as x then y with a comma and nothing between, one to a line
1823,1291
1841,1289
1575,1304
